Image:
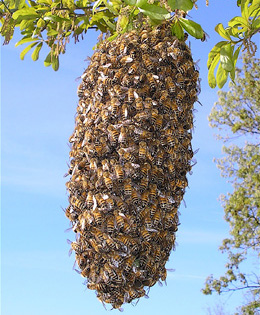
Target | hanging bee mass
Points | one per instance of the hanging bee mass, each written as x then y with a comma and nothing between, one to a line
130,153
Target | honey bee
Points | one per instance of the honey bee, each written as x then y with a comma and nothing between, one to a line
143,184
125,59
164,203
129,263
154,116
185,67
113,134
180,96
147,62
119,91
139,104
105,116
170,85
182,183
157,219
100,200
123,135
127,80
114,105
133,69
193,95
90,200
153,192
128,187
151,82
119,218
80,204
118,75
153,208
145,169
105,165
144,198
144,36
110,224
119,173
142,150
146,236
96,247
107,179
180,80
144,91
123,47
131,95
97,217
134,197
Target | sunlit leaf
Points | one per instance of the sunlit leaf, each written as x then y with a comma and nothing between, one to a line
185,5
25,13
256,24
55,63
19,4
177,30
214,51
235,57
26,40
47,61
155,12
238,21
244,9
220,29
35,54
226,59
26,50
193,28
211,76
221,76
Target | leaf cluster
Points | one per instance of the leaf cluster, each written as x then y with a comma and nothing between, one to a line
237,112
54,22
236,35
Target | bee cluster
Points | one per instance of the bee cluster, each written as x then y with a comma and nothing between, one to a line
130,153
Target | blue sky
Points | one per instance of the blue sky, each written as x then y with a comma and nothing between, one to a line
38,108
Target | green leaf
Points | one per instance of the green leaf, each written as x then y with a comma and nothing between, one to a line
122,22
221,77
26,49
26,40
25,13
155,12
109,23
193,28
222,32
69,4
235,57
47,61
141,3
130,2
244,9
177,30
96,4
185,5
226,59
55,18
238,21
52,32
211,76
214,51
55,63
19,4
35,54
256,24
254,7
26,24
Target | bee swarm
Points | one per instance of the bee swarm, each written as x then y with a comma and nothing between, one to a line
130,153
